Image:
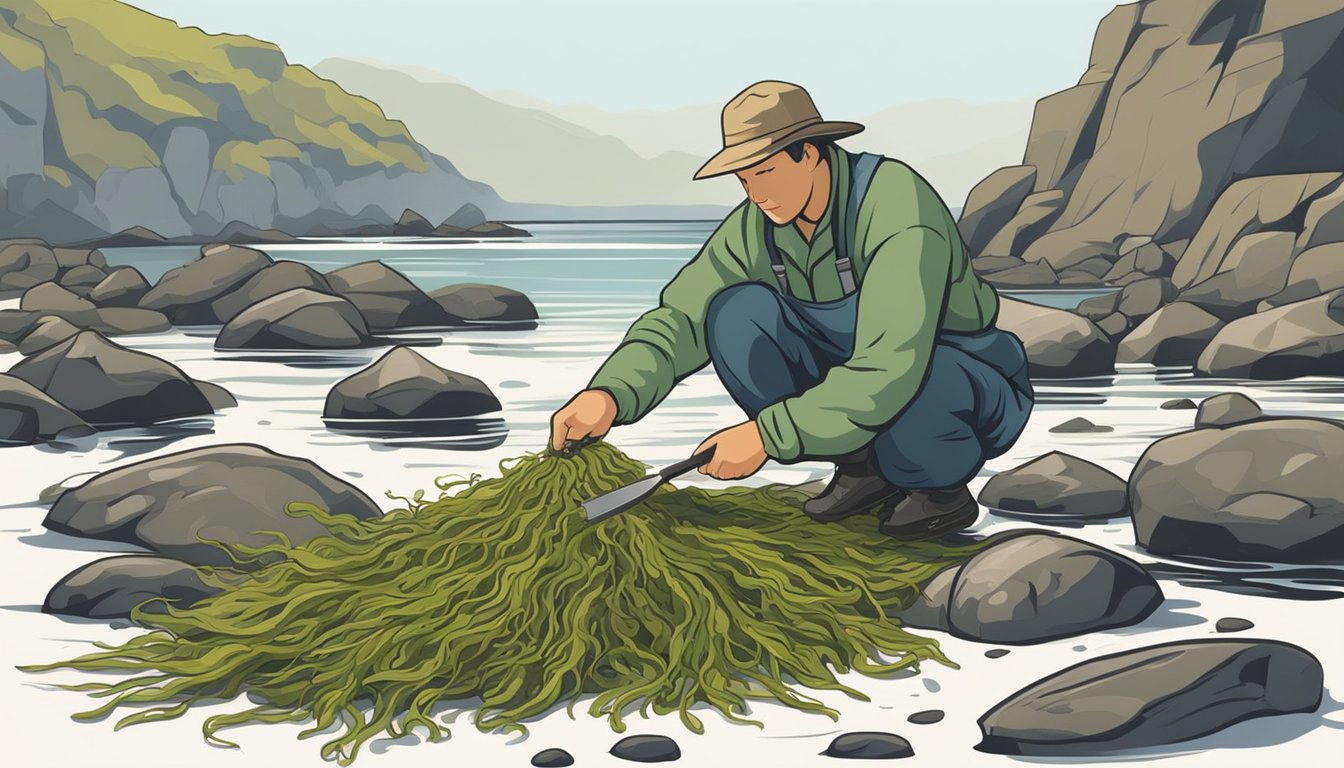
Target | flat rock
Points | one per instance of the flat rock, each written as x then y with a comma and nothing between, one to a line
997,653
869,745
647,749
1077,425
1035,587
552,758
480,302
219,492
1268,490
385,298
1179,404
111,587
299,318
1233,624
1162,694
926,717
1055,486
402,384
105,383
1227,409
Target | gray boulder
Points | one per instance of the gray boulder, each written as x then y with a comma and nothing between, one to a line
1256,267
1227,409
1173,335
186,294
227,493
991,204
869,745
1264,490
271,281
1300,339
1036,587
1058,343
105,383
1162,694
402,384
386,298
123,287
51,297
480,302
49,418
296,319
82,279
1314,272
109,588
1057,486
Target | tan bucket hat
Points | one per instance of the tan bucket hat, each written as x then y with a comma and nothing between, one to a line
765,118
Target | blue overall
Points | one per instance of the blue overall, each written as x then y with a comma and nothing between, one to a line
767,346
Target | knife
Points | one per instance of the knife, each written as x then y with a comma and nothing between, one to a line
621,499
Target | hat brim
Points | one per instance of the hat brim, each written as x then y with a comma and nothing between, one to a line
749,153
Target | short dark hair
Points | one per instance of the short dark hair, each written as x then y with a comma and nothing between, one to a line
795,149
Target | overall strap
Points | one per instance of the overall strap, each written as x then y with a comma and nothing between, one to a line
776,263
861,169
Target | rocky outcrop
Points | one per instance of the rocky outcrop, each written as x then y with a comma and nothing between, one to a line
225,493
109,588
1162,694
1057,486
108,384
1266,490
484,303
402,384
187,293
1058,343
385,298
1300,339
1033,587
299,318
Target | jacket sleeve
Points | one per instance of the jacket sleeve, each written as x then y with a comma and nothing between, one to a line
900,308
667,343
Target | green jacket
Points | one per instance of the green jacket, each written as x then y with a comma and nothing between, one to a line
914,277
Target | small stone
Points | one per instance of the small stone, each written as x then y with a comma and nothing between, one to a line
1233,624
1227,409
1080,424
1080,647
926,717
553,757
647,749
869,745
1180,404
996,653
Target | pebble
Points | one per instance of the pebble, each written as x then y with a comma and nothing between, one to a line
647,749
1080,424
1182,404
553,758
927,717
869,745
996,653
1233,624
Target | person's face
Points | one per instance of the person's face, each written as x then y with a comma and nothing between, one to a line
779,186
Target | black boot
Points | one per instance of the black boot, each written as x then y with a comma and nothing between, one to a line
929,514
856,486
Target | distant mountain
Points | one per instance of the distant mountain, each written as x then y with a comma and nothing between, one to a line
954,144
113,117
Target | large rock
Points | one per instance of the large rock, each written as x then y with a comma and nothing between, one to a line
1036,587
1314,272
51,297
1173,335
82,279
1264,490
109,588
1255,268
123,287
109,384
386,298
480,302
186,294
1058,343
23,264
226,493
271,281
402,384
1162,694
1301,339
992,203
50,419
1057,486
296,319
49,331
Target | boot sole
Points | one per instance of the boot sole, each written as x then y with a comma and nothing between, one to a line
831,517
963,517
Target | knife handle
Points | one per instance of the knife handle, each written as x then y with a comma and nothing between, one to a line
686,465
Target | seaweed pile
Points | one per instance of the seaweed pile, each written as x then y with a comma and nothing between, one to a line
500,591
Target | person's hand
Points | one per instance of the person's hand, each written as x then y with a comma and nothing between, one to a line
738,452
591,412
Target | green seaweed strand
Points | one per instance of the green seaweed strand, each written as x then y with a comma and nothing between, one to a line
502,593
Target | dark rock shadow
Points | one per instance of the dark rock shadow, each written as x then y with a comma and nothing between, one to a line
52,540
467,433
1170,614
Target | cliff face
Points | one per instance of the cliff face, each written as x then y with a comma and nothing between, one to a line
1182,99
111,117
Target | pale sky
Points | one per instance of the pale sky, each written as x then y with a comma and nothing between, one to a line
854,56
